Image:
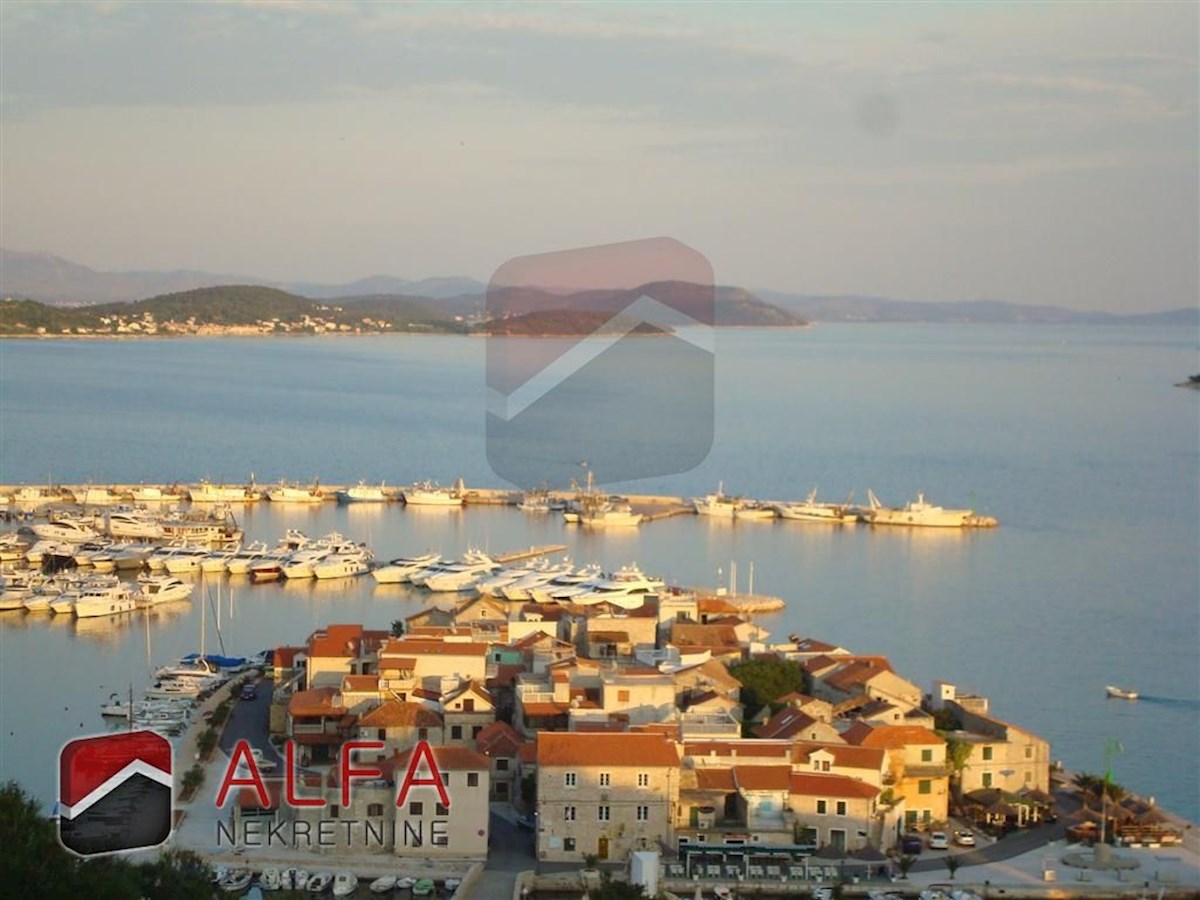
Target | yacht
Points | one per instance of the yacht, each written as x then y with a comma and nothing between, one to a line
812,510
920,513
625,588
362,493
12,547
186,558
155,589
67,529
82,554
240,560
129,556
18,587
145,494
287,493
300,564
104,601
719,504
402,568
470,558
207,492
522,588
428,493
567,581
345,563
175,687
133,523
460,576
610,515
493,585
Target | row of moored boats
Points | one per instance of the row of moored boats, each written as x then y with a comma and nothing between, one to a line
340,884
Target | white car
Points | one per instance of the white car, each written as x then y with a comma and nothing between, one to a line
938,841
964,838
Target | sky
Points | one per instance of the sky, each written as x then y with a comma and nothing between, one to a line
1037,153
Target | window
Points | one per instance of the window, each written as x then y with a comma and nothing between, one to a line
446,778
643,814
841,807
333,812
456,732
475,731
602,813
987,754
821,807
416,808
605,779
824,765
987,779
502,765
472,779
1028,777
927,755
643,779
570,779
569,813
468,705
924,786
441,810
910,817
381,734
568,844
423,734
622,696
374,809
1029,753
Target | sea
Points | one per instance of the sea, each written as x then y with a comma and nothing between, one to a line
1074,437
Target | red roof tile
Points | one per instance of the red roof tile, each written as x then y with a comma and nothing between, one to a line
762,778
625,749
394,714
811,785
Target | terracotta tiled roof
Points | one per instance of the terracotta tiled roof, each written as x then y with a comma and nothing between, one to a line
811,785
247,798
715,779
715,606
317,702
541,710
844,755
854,674
528,753
505,675
626,749
449,759
812,645
471,687
741,749
403,663
611,725
609,637
285,657
394,714
794,698
360,683
342,641
713,636
498,739
786,723
762,778
890,736
420,648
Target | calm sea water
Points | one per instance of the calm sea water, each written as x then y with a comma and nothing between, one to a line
1073,437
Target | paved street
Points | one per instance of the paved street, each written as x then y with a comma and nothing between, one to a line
250,720
510,850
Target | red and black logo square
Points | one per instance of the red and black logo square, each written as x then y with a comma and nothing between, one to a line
114,792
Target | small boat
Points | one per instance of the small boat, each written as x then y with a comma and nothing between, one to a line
1120,693
405,884
428,493
344,884
236,881
300,879
423,887
610,515
145,494
451,884
318,883
269,879
383,885
287,879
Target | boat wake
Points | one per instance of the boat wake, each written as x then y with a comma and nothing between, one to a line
1171,702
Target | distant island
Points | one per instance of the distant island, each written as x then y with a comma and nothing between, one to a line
1192,382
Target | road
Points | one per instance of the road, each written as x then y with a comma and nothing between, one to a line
250,720
510,850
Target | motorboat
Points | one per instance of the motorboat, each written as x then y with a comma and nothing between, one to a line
460,576
494,584
155,589
207,492
1120,693
719,505
185,559
268,879
522,588
82,553
236,882
362,493
288,493
174,687
344,884
319,882
126,557
239,562
610,515
428,493
212,524
12,547
65,529
625,588
921,513
385,884
812,510
300,564
18,588
345,564
300,879
105,601
567,584
402,568
471,557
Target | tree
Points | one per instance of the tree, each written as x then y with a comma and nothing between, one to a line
957,754
766,680
397,628
904,863
952,864
617,890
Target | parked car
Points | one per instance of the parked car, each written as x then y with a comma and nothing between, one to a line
964,838
527,822
249,692
911,844
938,841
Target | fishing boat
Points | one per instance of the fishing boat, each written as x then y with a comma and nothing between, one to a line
922,514
1120,693
287,493
754,511
610,515
207,492
428,493
813,510
144,494
720,504
362,493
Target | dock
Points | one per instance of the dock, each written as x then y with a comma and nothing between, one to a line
529,553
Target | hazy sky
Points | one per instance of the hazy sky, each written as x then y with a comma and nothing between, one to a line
1037,153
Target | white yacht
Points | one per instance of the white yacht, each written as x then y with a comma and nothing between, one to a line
625,588
288,493
493,585
174,687
610,515
207,492
812,510
362,493
185,559
17,588
239,562
82,554
471,558
402,568
919,513
567,581
461,576
300,564
428,493
719,504
155,589
345,564
12,547
133,523
104,601
68,529
130,556
522,588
